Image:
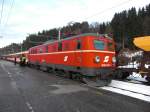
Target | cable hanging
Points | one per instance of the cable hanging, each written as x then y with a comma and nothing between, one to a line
122,3
2,12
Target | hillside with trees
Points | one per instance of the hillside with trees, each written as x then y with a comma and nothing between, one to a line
124,26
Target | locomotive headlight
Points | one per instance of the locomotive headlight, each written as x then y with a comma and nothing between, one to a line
114,59
97,59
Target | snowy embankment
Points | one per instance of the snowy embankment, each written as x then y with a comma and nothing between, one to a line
130,89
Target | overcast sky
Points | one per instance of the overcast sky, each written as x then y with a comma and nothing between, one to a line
31,16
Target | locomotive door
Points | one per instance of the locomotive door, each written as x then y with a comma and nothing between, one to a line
78,54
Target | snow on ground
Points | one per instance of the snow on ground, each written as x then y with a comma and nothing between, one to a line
133,90
137,77
131,65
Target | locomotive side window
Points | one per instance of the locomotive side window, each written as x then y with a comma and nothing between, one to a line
110,46
99,45
78,44
59,46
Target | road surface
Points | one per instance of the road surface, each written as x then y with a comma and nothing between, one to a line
24,89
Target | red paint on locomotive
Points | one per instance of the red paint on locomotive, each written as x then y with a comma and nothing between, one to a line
88,54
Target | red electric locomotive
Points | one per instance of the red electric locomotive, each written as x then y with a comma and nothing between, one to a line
90,55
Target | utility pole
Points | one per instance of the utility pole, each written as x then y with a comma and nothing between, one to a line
59,31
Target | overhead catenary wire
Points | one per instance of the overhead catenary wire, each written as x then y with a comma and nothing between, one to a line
3,23
1,12
105,10
9,13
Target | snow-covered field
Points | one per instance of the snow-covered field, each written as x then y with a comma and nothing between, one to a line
130,89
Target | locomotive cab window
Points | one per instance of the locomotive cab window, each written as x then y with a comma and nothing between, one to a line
59,46
99,45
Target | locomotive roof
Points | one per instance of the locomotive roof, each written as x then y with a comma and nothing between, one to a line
80,35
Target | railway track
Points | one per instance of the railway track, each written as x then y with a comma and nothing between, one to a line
131,89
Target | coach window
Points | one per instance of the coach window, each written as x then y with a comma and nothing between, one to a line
53,48
59,46
34,51
40,50
78,44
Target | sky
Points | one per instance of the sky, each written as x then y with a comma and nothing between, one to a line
23,17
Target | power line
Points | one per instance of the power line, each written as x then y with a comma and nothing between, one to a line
105,10
9,13
2,12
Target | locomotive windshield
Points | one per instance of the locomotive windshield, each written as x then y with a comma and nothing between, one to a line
99,45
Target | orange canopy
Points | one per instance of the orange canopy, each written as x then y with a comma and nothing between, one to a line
142,42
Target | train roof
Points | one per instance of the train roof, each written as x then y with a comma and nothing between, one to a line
18,53
71,37
142,42
80,35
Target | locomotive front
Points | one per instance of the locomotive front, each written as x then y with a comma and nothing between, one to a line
99,57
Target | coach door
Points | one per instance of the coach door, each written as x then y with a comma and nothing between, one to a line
78,54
